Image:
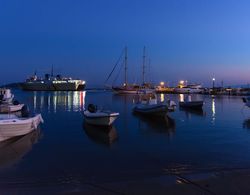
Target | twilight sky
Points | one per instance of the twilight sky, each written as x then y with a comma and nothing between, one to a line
192,40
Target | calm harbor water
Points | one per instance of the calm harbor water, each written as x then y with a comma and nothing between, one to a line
67,151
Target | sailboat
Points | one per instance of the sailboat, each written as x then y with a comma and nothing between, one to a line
126,88
145,88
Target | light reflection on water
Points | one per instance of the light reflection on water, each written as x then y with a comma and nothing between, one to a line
194,141
69,101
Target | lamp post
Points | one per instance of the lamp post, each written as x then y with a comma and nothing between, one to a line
213,82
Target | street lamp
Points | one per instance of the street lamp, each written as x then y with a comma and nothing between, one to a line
213,82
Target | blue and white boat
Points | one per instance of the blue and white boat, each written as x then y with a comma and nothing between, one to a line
149,106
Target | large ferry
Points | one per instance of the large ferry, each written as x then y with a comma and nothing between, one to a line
52,83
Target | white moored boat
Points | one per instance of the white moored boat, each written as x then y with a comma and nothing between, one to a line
191,104
6,96
150,106
7,108
11,125
99,117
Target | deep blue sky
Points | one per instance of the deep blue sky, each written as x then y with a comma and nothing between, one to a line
192,40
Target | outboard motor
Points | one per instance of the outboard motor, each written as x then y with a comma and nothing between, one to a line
25,111
92,108
15,102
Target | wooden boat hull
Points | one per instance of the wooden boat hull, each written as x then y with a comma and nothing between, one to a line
120,90
191,104
15,127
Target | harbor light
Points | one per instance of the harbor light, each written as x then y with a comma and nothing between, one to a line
162,83
181,83
213,82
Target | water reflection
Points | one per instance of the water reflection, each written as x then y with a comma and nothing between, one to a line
189,112
99,134
162,97
52,101
157,124
13,150
246,124
181,97
213,110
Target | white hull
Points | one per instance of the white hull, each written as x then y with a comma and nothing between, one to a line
99,118
49,86
187,90
18,126
6,108
155,109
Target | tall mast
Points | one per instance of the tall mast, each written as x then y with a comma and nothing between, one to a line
126,64
143,65
52,70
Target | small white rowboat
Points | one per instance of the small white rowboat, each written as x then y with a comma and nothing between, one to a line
11,125
102,118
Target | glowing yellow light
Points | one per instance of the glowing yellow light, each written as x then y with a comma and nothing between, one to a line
162,97
182,82
162,83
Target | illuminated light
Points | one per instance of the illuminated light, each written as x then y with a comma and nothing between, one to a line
162,83
181,84
213,79
213,110
181,98
162,97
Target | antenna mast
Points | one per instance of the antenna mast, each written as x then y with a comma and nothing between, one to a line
143,65
126,64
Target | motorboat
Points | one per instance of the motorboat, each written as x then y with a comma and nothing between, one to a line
149,106
11,125
6,96
191,104
8,108
99,117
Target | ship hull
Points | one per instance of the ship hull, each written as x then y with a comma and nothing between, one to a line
52,87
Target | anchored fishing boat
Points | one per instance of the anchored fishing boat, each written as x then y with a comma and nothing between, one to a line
149,106
191,104
11,125
94,116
